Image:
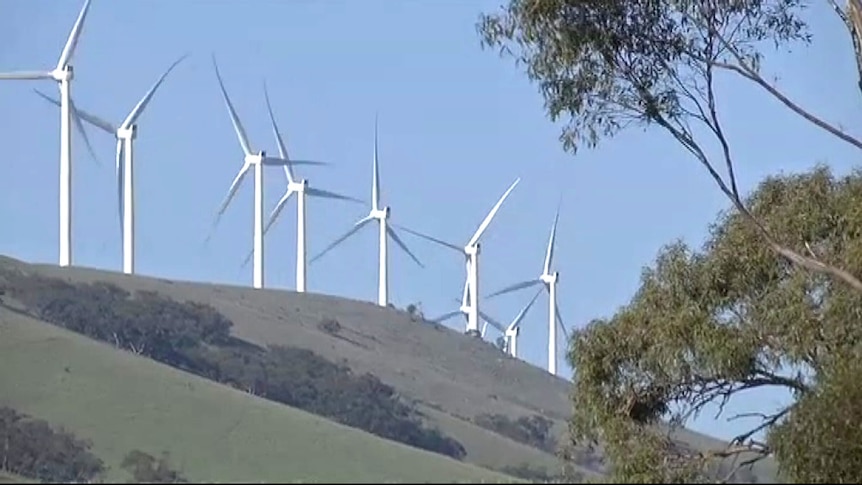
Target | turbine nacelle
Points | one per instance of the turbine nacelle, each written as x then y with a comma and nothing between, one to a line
298,186
550,279
128,132
513,332
472,250
255,159
65,73
380,214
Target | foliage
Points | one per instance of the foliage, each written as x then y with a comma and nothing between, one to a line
708,325
146,468
31,448
534,430
772,300
605,65
197,338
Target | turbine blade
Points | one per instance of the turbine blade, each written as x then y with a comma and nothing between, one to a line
231,192
26,75
560,321
430,238
356,227
119,171
308,162
283,162
466,295
277,210
492,321
282,149
89,118
80,126
520,316
403,246
375,180
446,316
549,253
74,35
325,194
142,104
490,216
237,125
515,287
484,329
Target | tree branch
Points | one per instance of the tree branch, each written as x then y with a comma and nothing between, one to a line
751,74
853,21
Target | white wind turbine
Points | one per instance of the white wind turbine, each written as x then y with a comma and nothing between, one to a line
511,331
125,135
381,214
301,188
63,74
549,279
257,160
470,300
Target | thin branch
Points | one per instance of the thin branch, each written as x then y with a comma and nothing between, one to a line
750,73
853,21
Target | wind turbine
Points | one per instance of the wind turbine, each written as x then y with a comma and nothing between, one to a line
381,214
470,300
257,160
63,74
125,134
549,279
301,188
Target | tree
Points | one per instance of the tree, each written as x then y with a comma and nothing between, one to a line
611,64
708,325
773,298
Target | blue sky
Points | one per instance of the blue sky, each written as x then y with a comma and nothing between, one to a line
457,126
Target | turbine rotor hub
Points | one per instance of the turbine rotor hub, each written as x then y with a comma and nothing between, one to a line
65,73
128,133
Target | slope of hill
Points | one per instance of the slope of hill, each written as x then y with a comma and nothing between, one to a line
122,402
456,381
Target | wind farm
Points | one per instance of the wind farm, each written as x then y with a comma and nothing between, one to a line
323,330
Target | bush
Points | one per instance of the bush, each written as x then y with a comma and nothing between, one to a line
31,448
532,430
145,468
197,338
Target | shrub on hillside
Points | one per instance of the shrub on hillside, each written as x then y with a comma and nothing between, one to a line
532,430
146,468
32,449
197,338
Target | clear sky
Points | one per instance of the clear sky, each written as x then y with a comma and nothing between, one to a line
457,126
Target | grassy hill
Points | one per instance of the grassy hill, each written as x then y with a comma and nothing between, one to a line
212,433
455,381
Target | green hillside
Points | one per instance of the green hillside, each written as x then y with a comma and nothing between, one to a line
122,402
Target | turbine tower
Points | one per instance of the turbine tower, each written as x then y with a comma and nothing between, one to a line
63,74
470,300
256,160
381,214
549,279
125,135
511,331
301,188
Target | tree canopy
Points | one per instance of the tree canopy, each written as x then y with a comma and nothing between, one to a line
709,324
772,299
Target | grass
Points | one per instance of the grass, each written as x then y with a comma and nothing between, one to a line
452,378
10,478
213,433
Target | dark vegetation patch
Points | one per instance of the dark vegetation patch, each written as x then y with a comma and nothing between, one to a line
196,338
31,448
145,468
534,430
536,474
